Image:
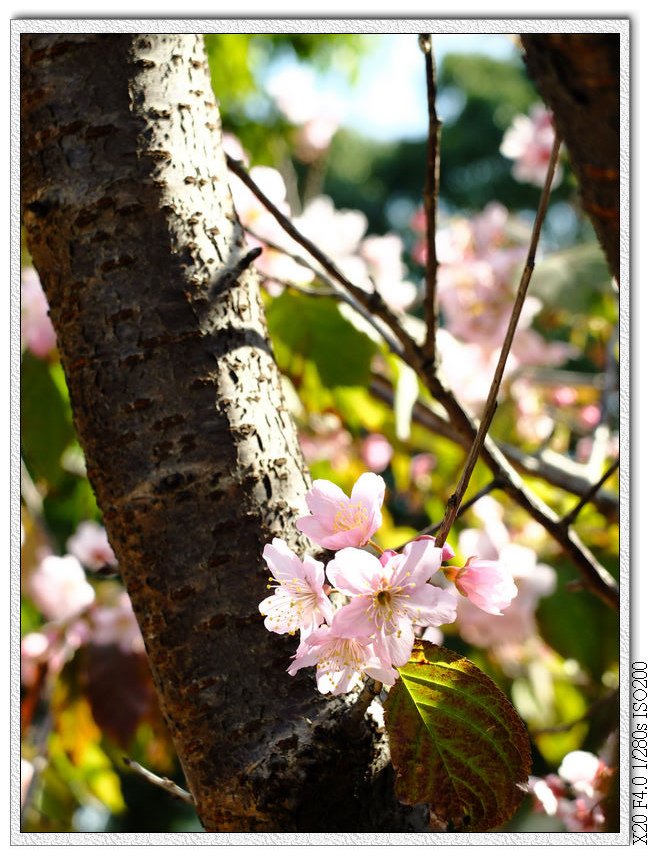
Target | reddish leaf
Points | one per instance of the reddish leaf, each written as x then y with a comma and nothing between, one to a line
456,742
119,689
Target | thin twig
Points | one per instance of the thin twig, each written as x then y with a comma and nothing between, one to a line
594,576
374,302
554,469
491,403
157,781
431,189
589,495
495,484
334,292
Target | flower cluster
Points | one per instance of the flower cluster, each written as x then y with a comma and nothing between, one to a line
75,613
480,259
576,793
361,619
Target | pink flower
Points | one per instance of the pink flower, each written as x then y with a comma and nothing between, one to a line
546,794
581,769
575,794
59,587
299,601
52,647
422,465
529,141
90,545
337,521
340,659
376,452
383,258
388,599
117,625
315,137
447,549
330,445
487,584
36,330
590,415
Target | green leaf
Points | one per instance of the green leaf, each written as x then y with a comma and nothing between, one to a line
313,328
46,425
578,625
456,742
573,279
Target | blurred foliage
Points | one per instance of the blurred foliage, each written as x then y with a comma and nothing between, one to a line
306,328
239,63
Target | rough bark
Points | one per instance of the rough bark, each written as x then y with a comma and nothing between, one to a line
178,406
578,76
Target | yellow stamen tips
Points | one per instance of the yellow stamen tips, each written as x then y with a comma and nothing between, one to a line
350,516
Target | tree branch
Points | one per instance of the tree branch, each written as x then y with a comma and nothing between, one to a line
334,292
164,783
593,575
589,495
431,188
568,476
491,402
374,303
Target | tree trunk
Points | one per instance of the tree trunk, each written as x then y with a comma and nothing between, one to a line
578,76
178,405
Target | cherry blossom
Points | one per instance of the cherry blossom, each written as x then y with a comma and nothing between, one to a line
53,646
581,769
314,137
36,330
337,521
116,624
90,545
422,466
383,257
299,601
486,583
337,233
328,442
59,587
447,549
387,599
376,452
469,368
340,659
574,795
529,141
533,580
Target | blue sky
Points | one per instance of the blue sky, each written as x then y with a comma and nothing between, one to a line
388,99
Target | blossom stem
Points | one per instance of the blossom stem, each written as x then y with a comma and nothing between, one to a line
156,780
376,547
456,498
431,189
